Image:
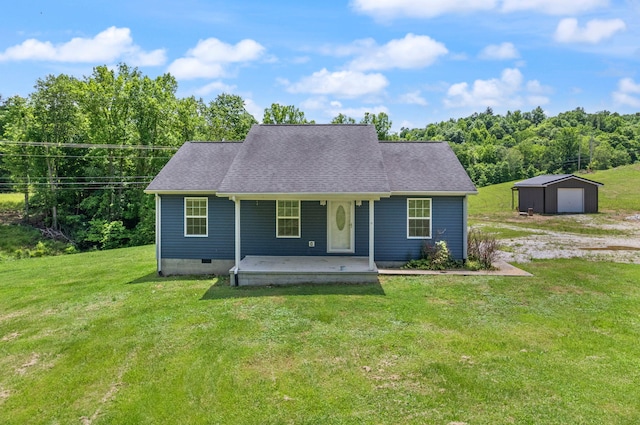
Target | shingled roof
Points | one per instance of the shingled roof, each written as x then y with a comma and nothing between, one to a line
196,167
313,159
424,167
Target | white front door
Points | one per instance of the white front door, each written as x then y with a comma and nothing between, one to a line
340,231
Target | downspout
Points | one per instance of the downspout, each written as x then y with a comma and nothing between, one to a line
465,231
372,264
159,233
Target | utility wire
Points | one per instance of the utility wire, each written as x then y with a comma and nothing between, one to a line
88,156
88,145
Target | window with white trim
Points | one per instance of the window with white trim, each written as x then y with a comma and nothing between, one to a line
419,218
195,217
288,219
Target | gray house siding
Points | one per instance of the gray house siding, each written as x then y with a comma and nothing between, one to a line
220,244
391,242
531,197
544,200
590,195
258,230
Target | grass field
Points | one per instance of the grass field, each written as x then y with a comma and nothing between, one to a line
11,201
97,338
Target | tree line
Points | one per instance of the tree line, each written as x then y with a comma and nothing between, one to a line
495,148
82,150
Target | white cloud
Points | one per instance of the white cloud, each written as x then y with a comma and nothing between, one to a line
357,47
593,32
389,9
507,91
410,52
209,58
499,52
215,87
627,88
109,45
386,10
413,98
332,108
253,108
346,84
553,7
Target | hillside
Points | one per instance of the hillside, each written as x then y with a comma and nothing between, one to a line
619,195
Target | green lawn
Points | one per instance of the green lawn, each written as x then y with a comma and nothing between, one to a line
98,338
621,188
11,201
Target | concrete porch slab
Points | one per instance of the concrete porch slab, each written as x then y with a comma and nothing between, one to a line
290,270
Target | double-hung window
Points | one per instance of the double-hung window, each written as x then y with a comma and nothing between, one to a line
195,217
288,219
419,218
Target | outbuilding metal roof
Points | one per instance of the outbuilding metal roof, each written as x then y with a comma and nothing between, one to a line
547,179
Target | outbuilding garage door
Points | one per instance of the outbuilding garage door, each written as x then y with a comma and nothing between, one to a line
570,200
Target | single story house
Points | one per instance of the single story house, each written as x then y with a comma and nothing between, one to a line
325,194
557,193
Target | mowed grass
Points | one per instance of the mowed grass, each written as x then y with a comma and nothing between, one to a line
11,201
12,236
621,190
99,338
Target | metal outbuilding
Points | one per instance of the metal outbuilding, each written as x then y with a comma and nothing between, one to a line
557,193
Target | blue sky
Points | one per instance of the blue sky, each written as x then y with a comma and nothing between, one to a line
420,61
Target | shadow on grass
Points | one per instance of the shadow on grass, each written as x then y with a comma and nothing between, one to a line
222,290
155,277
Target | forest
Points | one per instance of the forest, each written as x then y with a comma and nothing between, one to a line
81,151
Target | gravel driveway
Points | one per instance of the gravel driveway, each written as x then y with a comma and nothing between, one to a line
544,244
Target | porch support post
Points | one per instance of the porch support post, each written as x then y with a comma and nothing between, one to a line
159,233
372,265
237,233
465,231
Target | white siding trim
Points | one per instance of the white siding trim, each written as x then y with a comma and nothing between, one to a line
159,233
465,232
237,234
206,216
430,218
372,263
298,217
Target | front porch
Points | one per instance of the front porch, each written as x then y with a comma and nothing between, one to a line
257,270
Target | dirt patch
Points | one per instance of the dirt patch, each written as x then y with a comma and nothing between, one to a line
33,360
613,248
547,244
10,216
10,337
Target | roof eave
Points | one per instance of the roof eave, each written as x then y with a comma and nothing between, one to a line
435,193
305,196
179,192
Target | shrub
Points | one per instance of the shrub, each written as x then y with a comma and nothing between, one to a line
434,257
107,235
482,248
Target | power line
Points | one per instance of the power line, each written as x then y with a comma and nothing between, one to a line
88,145
26,155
